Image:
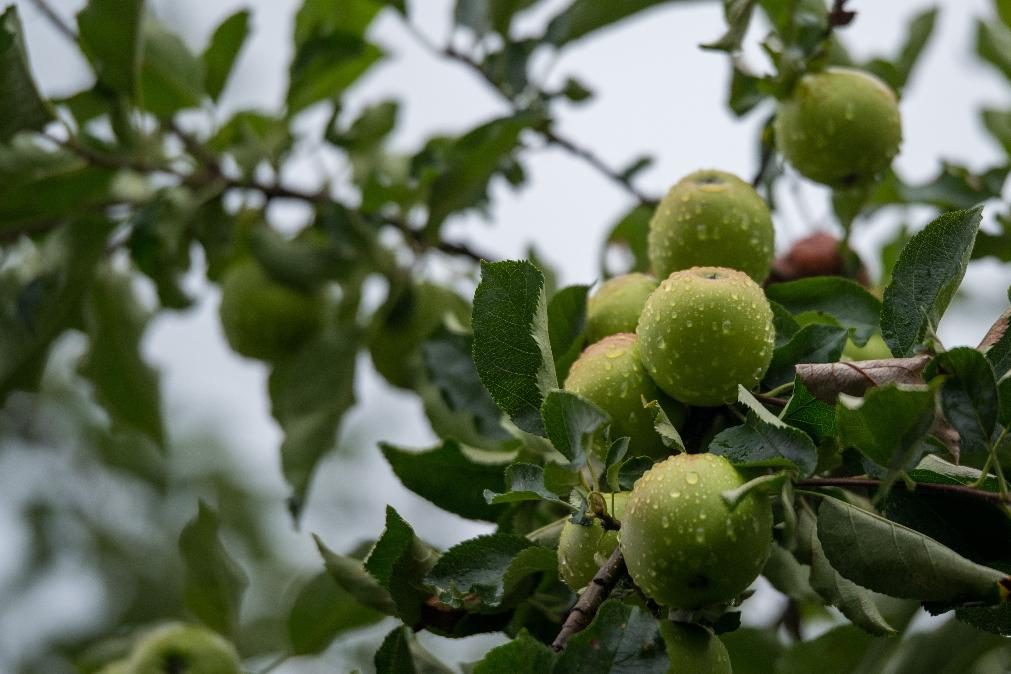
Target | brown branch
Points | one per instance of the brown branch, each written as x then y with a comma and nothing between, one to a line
771,400
593,596
964,490
55,20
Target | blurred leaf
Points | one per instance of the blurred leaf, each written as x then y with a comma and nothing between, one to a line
351,575
512,349
814,343
952,648
24,108
110,35
888,424
896,72
738,16
399,562
480,572
213,582
878,554
785,573
576,91
522,654
571,422
752,650
583,17
223,49
745,90
251,138
841,650
367,131
841,301
926,276
525,482
766,441
321,611
566,321
998,124
125,384
309,392
968,395
159,245
450,477
630,234
621,638
482,16
804,411
994,619
331,51
785,325
172,78
993,44
954,187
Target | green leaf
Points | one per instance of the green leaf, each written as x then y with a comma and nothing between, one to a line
172,78
881,556
351,575
475,572
804,411
765,441
24,108
321,611
571,423
213,583
110,35
841,650
926,276
952,648
621,638
566,320
896,72
669,435
788,575
935,470
841,301
814,343
888,424
629,237
752,650
396,654
583,17
450,476
738,15
524,482
969,397
124,383
223,49
331,51
996,620
482,16
309,401
522,654
399,562
512,350
993,44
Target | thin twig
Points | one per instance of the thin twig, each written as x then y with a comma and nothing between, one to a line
772,400
593,596
924,486
55,20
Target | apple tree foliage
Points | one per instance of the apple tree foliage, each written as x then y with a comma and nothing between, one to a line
887,477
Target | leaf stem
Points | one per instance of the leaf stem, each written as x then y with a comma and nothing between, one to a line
589,601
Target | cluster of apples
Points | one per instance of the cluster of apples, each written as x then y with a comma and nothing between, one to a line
693,338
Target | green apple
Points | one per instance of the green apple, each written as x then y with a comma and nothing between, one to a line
874,349
684,546
610,374
116,667
183,649
840,127
262,318
400,326
705,331
582,550
712,219
694,649
615,306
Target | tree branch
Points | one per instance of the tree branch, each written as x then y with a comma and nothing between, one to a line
55,20
593,596
964,490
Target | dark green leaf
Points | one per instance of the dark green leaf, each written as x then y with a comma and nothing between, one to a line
512,350
172,78
394,655
968,396
993,44
621,638
571,423
321,611
804,411
788,575
524,482
124,383
213,583
996,620
475,571
24,108
888,424
576,91
522,654
111,36
668,433
766,441
350,574
223,49
814,343
399,562
841,650
841,301
752,650
926,276
629,236
566,320
880,555
952,648
309,399
583,17
450,476
631,470
738,16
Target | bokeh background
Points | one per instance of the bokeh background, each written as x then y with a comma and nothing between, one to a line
656,93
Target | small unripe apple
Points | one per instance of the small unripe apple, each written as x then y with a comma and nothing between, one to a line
116,667
712,219
840,127
874,349
684,546
401,325
705,331
582,550
262,318
610,374
183,649
615,306
693,648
